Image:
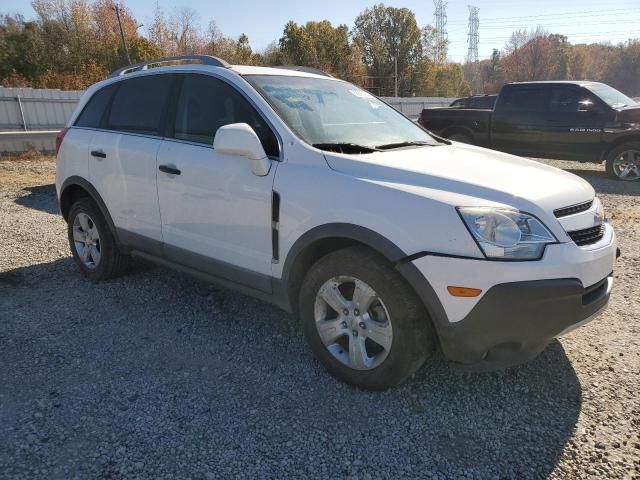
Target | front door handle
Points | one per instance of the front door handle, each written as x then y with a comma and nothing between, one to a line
169,170
98,154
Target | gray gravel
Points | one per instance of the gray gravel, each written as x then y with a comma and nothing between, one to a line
157,375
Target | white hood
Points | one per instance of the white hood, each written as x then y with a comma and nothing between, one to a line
470,171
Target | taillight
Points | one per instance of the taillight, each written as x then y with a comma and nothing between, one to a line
59,138
421,120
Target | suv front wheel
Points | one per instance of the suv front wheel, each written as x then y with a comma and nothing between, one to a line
92,244
362,320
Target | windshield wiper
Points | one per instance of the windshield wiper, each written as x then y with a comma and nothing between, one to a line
389,146
346,147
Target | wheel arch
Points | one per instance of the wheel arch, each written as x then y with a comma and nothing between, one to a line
76,187
620,141
321,240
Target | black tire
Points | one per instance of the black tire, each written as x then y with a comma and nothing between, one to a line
460,137
413,339
112,261
614,154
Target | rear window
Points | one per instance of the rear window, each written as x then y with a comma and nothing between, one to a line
94,109
139,104
483,102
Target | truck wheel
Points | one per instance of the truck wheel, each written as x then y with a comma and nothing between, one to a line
92,244
461,137
362,321
623,162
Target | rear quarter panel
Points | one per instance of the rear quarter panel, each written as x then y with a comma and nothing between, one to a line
73,157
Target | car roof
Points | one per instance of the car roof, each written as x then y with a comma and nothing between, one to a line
288,72
581,83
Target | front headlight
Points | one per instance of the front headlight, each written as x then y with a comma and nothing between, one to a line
505,234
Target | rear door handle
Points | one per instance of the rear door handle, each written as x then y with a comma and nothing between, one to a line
98,154
169,170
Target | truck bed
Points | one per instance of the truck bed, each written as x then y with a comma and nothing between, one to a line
473,123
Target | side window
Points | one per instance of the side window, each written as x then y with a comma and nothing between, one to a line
205,104
563,99
525,100
485,102
95,107
139,104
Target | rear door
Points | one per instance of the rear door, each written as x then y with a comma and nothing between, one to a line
519,119
122,158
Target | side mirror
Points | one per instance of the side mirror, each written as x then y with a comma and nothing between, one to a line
239,139
586,106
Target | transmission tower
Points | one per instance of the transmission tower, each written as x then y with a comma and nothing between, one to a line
474,23
440,19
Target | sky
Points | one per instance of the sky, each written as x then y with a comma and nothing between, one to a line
582,21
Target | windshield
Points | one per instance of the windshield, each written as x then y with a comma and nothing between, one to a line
329,113
610,95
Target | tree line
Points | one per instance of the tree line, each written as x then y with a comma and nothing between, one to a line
73,43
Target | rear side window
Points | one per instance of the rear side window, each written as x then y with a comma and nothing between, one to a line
205,104
94,109
524,99
139,104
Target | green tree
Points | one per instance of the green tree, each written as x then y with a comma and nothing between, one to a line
320,45
386,35
22,50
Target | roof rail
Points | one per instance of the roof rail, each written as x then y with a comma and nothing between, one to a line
302,68
204,59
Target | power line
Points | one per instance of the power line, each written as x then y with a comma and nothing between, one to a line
554,25
590,13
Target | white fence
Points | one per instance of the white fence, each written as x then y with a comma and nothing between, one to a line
30,118
413,106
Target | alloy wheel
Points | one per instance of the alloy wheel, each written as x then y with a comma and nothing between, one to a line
86,240
626,166
353,323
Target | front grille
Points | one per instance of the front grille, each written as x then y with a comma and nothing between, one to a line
587,236
573,209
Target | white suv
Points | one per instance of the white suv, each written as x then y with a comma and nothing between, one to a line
311,193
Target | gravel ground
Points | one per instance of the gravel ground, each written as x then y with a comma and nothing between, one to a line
157,375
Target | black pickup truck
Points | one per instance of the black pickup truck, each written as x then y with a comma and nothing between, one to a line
581,120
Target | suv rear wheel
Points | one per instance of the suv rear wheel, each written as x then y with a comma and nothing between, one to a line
362,320
92,244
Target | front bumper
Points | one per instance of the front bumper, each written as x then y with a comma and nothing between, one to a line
514,322
523,305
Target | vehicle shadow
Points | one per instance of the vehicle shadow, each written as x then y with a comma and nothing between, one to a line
40,197
213,367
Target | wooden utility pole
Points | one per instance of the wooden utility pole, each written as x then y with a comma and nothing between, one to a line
124,43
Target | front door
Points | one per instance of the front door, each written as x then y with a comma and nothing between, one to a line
216,214
574,132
